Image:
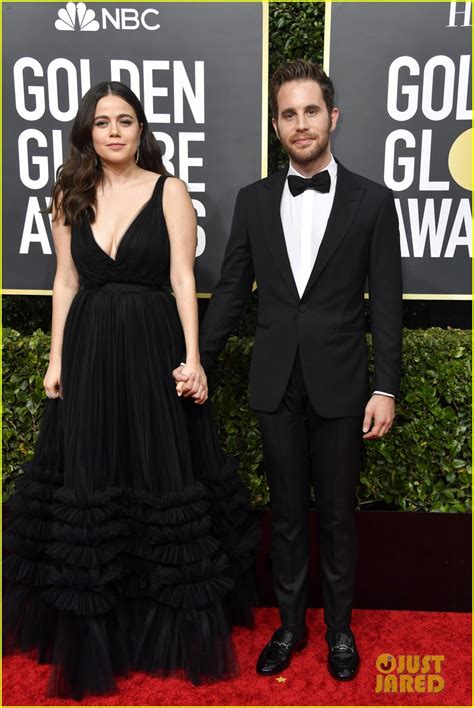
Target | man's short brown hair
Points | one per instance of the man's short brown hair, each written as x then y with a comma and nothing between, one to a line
296,71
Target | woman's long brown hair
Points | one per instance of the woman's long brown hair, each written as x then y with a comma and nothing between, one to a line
74,192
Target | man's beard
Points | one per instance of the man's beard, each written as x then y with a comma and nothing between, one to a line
306,157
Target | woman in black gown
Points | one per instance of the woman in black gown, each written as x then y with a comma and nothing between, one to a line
128,541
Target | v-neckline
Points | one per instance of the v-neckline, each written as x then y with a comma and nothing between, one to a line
127,229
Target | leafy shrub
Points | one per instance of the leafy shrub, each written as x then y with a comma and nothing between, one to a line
422,465
25,360
425,461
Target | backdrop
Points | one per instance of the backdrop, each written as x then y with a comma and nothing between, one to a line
198,69
402,73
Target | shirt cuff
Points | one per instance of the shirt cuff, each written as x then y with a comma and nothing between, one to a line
383,393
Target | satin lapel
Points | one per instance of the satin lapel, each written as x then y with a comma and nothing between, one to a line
270,198
346,202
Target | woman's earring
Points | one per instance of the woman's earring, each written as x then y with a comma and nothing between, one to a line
137,156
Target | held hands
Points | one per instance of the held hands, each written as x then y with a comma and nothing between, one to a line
52,381
191,380
381,411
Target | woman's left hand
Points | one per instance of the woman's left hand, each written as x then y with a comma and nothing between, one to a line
195,383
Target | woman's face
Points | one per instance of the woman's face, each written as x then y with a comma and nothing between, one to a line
115,131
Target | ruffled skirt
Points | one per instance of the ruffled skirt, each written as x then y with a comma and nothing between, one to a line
113,564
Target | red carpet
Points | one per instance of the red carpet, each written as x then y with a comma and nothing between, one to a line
417,634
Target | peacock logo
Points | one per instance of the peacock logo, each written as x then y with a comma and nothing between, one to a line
76,17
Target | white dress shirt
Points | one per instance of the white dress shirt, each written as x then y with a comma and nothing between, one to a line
304,219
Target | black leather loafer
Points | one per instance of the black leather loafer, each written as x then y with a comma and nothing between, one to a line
276,655
343,659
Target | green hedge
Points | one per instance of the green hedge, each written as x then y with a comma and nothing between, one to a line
422,465
25,360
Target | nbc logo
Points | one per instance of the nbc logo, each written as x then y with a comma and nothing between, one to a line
74,17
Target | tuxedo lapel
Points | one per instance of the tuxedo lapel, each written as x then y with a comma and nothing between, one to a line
270,196
346,202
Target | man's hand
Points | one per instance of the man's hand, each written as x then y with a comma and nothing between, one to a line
381,411
191,381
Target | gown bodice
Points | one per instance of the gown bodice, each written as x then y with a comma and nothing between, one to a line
143,252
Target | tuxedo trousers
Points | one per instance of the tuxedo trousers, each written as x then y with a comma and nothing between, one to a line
301,449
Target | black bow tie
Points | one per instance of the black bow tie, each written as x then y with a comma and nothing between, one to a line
321,182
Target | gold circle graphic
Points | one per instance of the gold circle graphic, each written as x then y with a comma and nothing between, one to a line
386,663
459,160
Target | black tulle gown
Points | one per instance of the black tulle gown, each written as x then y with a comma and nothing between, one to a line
128,544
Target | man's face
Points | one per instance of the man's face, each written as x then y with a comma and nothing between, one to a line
303,123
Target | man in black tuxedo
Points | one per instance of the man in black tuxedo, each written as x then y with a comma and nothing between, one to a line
311,236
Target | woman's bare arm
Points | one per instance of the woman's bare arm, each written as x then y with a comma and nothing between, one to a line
181,224
65,287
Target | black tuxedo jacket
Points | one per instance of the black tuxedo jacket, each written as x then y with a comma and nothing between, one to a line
327,323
